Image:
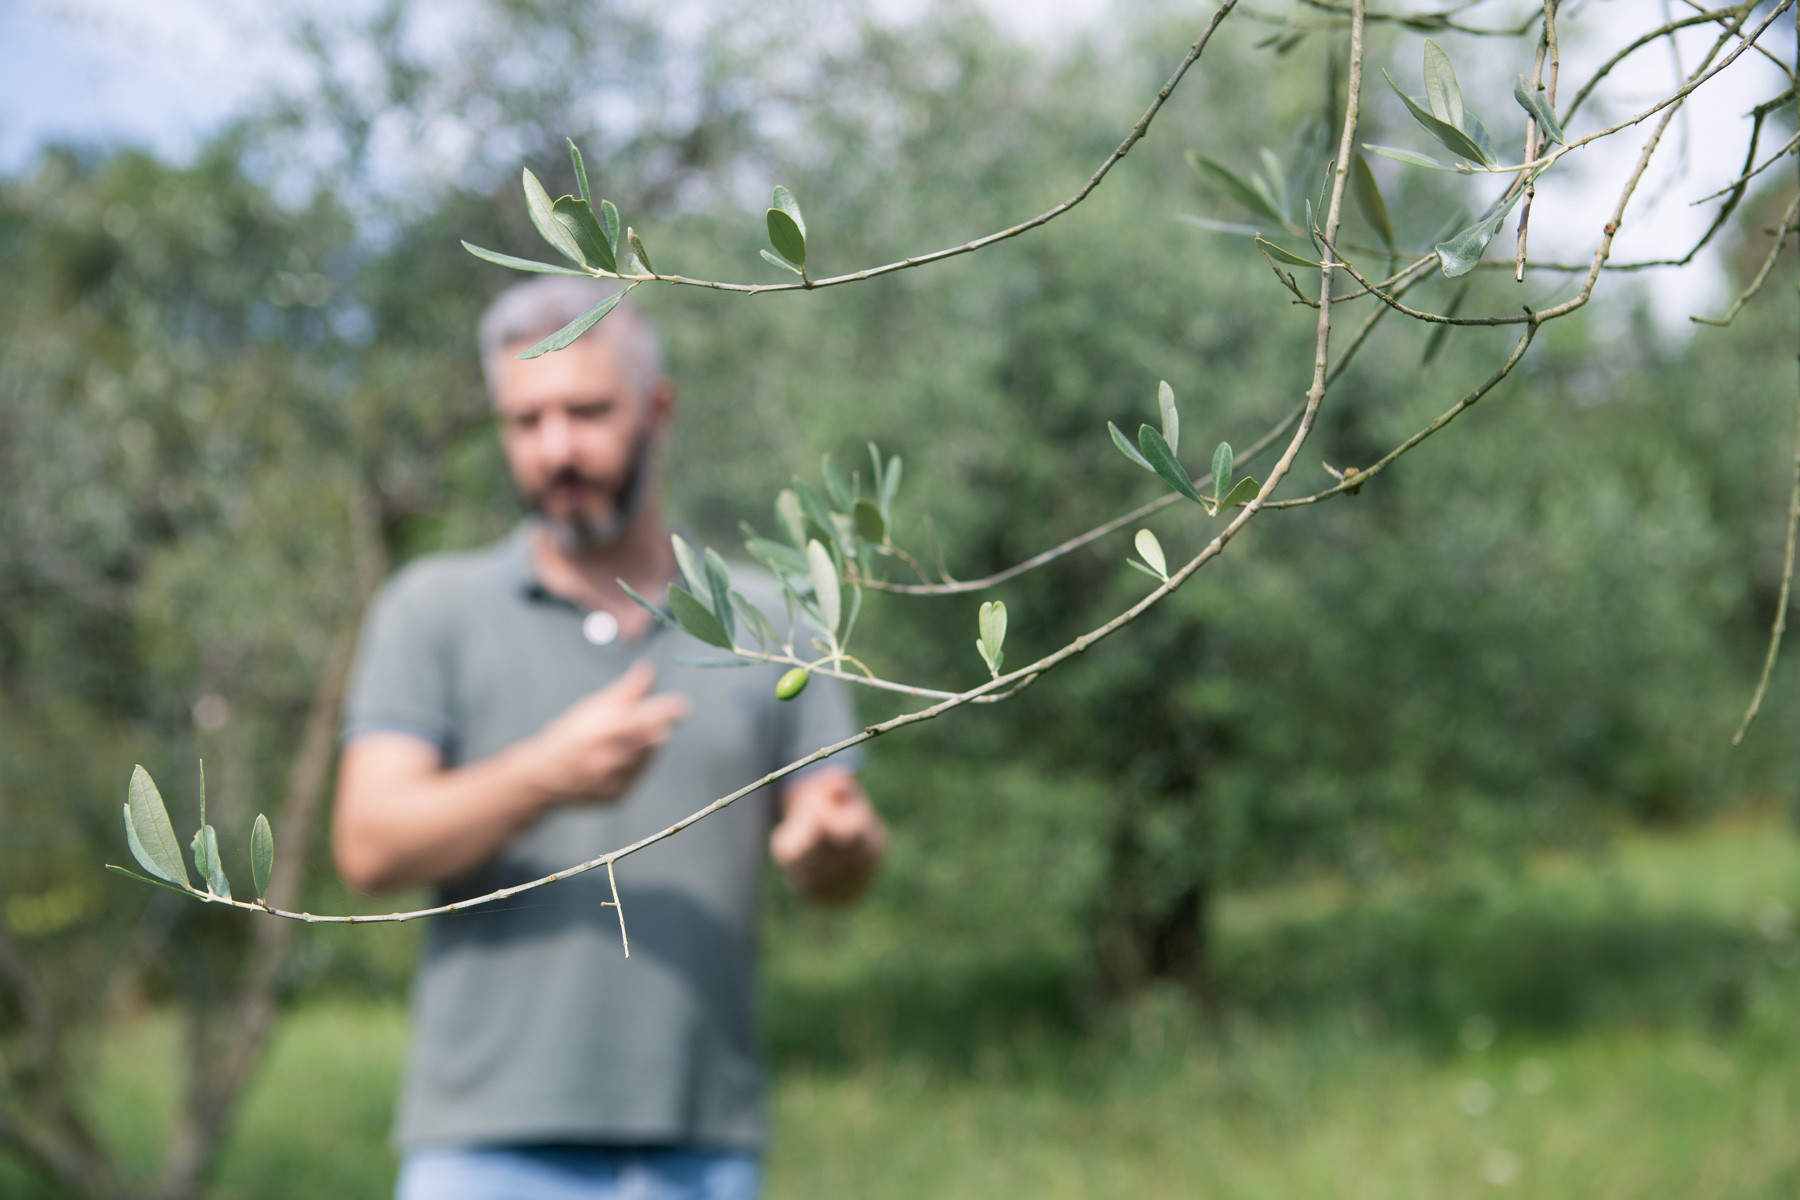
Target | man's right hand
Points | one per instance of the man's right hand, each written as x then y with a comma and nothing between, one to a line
402,818
595,750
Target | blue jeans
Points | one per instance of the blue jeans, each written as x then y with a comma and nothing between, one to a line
578,1173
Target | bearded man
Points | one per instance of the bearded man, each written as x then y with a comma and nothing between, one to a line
513,712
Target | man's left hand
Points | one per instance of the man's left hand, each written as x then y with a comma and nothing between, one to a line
830,839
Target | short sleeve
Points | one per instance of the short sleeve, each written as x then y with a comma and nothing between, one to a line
401,680
818,717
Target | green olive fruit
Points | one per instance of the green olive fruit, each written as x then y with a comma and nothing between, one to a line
792,684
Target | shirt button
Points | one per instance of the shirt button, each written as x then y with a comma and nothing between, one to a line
600,628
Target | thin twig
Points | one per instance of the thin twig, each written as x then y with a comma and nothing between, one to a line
1044,218
1779,625
1762,275
1547,49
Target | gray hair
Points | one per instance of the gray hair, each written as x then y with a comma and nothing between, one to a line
537,308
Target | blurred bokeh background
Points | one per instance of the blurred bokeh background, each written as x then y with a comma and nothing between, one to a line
1403,854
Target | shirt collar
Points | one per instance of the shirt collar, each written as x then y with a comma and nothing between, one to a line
516,564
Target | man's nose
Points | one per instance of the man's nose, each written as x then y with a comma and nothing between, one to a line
554,441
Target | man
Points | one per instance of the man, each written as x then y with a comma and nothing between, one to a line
513,712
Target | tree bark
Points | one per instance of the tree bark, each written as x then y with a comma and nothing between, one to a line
217,1079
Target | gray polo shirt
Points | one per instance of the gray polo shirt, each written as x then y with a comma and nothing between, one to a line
529,1024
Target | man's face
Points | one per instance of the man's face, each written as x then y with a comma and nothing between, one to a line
577,430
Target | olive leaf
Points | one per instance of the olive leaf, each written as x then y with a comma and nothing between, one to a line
826,587
787,228
206,860
564,337
696,619
1221,471
1126,448
1536,103
577,216
262,855
991,621
543,215
1171,420
871,526
1369,200
718,581
1162,461
689,562
1256,196
637,249
662,618
523,264
1151,551
149,833
581,179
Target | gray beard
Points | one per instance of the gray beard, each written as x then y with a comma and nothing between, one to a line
579,536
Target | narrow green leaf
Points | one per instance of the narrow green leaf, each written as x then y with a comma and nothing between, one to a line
1407,156
543,215
836,485
718,578
991,624
1441,89
871,526
890,487
1235,228
578,218
1135,565
566,336
637,249
825,586
206,860
136,845
1536,103
783,560
1126,448
783,263
262,855
791,516
786,236
1171,419
581,179
755,620
1221,469
524,264
609,222
147,879
1223,179
817,512
1460,254
695,618
1151,551
1242,492
784,200
1369,200
1287,256
691,570
662,618
1162,461
878,470
1276,190
155,846
1479,135
1452,138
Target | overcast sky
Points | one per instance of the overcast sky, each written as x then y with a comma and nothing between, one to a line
164,74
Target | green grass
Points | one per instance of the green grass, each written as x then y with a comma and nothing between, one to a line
1626,1026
